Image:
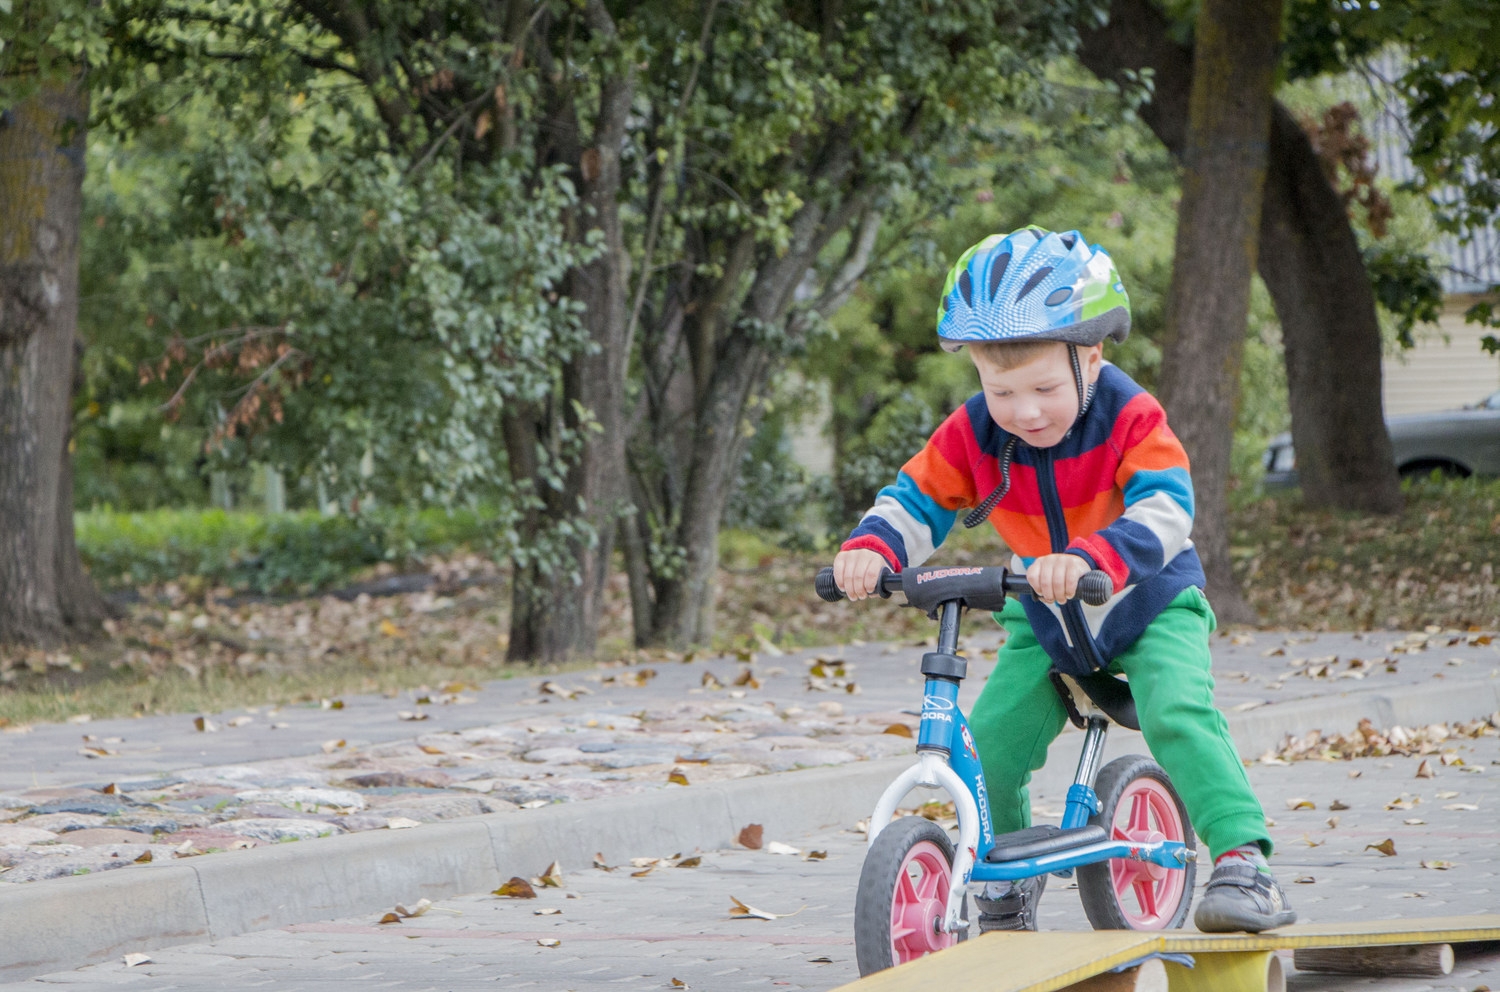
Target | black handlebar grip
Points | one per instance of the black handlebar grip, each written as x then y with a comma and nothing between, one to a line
827,588
1095,588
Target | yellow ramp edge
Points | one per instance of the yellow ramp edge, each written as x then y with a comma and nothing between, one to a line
1047,962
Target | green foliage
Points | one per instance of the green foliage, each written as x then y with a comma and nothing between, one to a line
281,553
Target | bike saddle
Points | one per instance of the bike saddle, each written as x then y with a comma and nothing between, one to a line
1100,692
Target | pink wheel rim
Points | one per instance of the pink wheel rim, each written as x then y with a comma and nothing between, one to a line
1148,895
919,904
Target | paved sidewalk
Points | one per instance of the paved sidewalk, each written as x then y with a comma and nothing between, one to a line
159,789
616,931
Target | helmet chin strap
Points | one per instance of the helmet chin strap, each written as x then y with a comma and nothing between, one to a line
1085,394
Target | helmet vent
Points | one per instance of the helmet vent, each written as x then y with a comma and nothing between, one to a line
1068,240
966,287
1034,281
997,272
1058,296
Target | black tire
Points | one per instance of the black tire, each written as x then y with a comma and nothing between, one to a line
1096,882
874,948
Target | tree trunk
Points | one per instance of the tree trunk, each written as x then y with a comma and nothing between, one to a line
45,597
1329,331
1310,261
1224,169
556,610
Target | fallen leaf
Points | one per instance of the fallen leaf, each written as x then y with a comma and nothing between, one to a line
1355,773
692,862
711,681
1447,794
1414,821
205,725
644,862
429,749
391,630
1461,807
389,918
516,888
111,789
816,856
240,721
1424,770
401,823
1312,843
1437,865
422,906
1332,821
599,863
1336,805
678,983
409,715
333,745
1300,804
643,872
752,836
546,911
144,859
898,730
534,804
742,911
677,778
549,942
777,847
1386,847
131,960
1304,880
551,878
822,960
97,752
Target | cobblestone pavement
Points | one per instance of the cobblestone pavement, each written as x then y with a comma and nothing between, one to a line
615,930
107,794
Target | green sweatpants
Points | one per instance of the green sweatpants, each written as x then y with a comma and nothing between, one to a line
1018,714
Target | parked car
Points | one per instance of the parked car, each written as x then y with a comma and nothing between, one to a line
1457,443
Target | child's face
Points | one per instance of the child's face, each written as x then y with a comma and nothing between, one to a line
1037,401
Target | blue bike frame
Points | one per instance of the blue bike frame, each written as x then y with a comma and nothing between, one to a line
948,759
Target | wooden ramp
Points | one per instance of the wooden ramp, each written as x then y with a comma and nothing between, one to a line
1047,962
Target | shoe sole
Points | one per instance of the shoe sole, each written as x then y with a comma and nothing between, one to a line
1209,921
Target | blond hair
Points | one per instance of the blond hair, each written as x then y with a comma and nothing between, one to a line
1007,355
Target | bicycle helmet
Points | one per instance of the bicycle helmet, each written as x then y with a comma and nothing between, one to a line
1033,285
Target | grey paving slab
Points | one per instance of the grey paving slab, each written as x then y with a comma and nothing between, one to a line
615,931
591,741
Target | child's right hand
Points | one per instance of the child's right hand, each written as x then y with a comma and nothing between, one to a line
857,572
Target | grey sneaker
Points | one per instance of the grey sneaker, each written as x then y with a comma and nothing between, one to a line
1240,897
1016,910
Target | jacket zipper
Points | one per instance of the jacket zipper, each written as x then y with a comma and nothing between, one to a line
1057,532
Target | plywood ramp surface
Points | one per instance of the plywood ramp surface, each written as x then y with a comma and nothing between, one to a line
1047,962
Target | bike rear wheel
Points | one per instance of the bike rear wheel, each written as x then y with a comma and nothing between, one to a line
1138,803
903,895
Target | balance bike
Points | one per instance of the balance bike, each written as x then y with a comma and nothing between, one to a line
1124,827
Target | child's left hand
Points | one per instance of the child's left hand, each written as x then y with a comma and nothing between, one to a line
1054,578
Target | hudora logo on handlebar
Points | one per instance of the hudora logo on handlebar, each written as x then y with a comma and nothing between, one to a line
945,573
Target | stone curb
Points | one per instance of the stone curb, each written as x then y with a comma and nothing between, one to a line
70,922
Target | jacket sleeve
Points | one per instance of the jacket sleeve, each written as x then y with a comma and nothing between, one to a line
912,517
1153,475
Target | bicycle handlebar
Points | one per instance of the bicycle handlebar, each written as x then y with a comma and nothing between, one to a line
978,584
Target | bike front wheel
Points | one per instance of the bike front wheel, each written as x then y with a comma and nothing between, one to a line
1138,803
903,895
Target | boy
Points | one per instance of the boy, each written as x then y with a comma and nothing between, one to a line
1075,466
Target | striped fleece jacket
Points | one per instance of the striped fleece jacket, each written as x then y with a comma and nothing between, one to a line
1115,491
